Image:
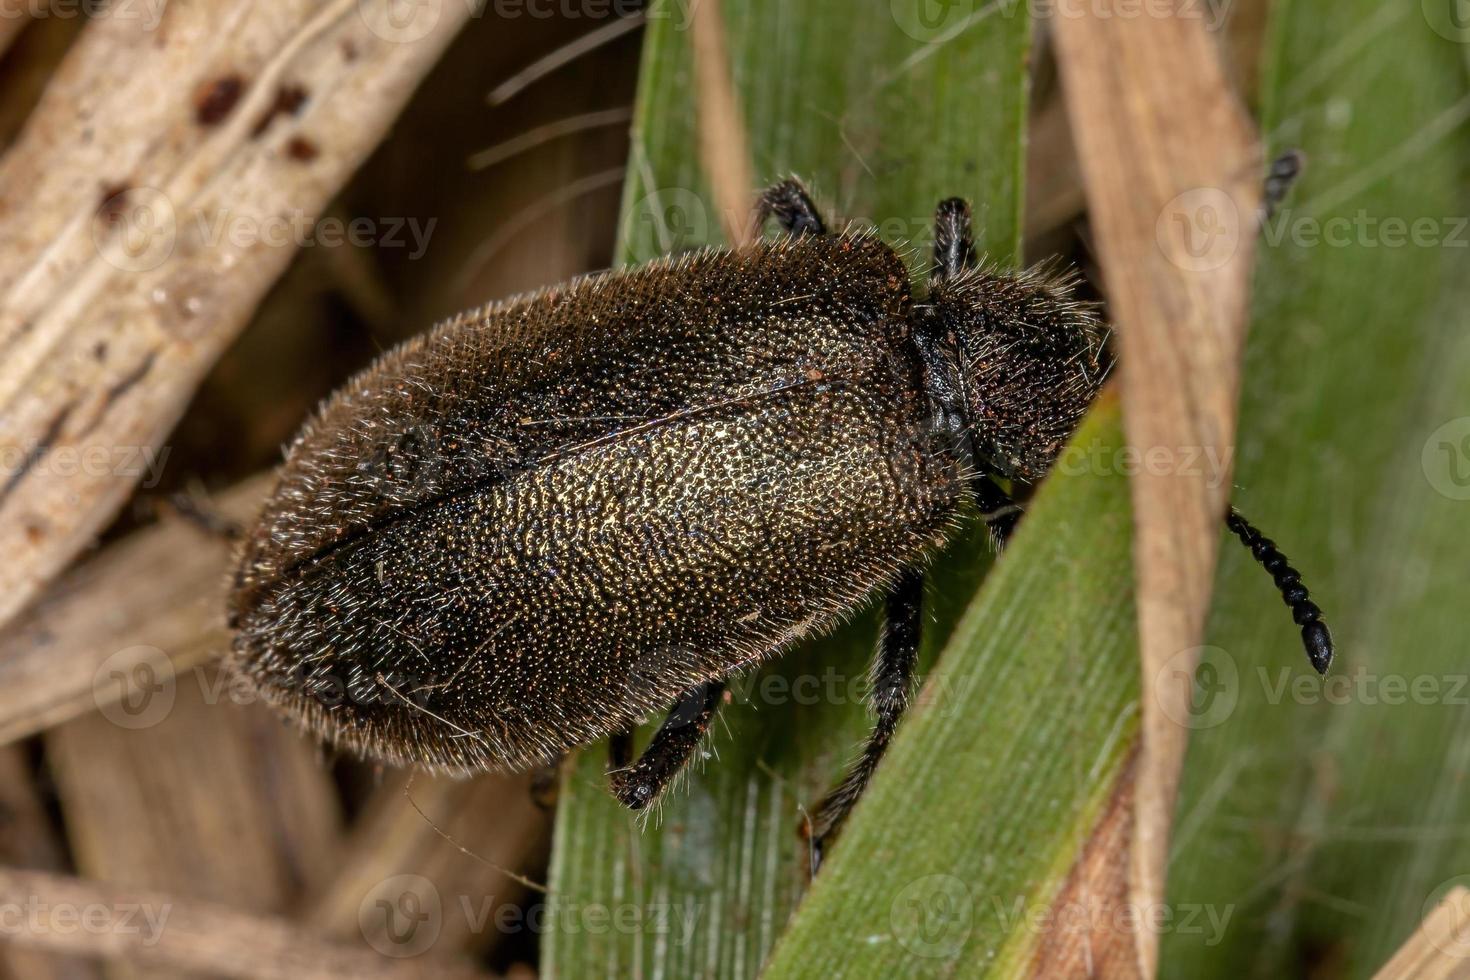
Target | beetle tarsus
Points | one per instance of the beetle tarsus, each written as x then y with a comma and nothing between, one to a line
790,204
638,785
954,242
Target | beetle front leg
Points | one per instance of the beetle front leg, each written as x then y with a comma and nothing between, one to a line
790,204
638,785
893,672
998,510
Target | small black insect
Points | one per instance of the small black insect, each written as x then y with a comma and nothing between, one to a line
547,518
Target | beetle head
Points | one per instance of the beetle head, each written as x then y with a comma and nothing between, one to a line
1028,358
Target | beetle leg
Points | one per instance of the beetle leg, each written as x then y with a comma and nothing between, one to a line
893,671
998,510
954,241
792,206
620,750
638,785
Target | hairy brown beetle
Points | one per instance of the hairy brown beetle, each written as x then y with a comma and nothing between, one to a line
547,518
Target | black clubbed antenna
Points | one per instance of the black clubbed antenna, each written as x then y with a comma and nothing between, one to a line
1315,635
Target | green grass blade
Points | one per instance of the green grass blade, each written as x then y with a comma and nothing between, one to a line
1324,818
706,888
996,781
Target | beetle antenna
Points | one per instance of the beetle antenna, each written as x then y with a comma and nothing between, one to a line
1315,635
1282,174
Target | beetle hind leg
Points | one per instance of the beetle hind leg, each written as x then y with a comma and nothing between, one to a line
893,671
790,204
673,744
